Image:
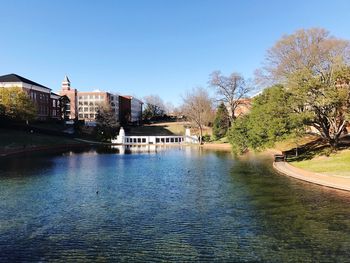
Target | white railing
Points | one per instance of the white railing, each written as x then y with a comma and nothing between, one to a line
156,140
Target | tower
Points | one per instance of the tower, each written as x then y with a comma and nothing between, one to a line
72,106
66,83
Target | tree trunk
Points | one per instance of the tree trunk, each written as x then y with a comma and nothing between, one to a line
334,142
200,135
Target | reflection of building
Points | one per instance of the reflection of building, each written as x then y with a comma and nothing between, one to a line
84,104
46,102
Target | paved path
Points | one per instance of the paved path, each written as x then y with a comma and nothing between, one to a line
316,178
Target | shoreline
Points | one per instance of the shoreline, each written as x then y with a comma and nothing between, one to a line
15,152
286,169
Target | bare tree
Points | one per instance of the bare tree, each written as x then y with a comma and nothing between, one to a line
169,108
314,67
231,90
154,106
198,109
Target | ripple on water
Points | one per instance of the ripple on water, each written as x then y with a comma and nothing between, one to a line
176,205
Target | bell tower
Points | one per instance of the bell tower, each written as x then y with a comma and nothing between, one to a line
65,84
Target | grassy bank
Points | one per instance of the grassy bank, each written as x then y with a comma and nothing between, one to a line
15,139
163,128
316,156
334,164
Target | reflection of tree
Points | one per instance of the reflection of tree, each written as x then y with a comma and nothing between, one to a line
296,221
27,165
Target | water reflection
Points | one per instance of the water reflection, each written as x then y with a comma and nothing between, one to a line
171,204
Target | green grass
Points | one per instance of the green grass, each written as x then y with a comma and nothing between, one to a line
222,140
166,128
335,164
13,139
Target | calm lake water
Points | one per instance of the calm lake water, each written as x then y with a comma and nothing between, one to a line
179,204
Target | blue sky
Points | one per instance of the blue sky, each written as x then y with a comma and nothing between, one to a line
151,47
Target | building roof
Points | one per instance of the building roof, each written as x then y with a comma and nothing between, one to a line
66,79
17,78
55,94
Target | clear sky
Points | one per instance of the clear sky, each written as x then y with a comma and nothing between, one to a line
162,47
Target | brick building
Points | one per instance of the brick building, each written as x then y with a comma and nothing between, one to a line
46,102
84,104
71,110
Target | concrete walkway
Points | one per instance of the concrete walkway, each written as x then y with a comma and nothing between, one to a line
316,178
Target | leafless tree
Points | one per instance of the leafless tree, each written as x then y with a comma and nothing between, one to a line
198,109
231,90
154,106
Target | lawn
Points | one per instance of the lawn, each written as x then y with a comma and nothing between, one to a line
14,139
335,164
163,128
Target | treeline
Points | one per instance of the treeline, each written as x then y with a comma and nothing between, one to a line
310,74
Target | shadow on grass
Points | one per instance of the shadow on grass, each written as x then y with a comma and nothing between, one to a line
149,131
315,148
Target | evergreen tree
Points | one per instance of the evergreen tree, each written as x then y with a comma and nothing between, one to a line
221,122
271,119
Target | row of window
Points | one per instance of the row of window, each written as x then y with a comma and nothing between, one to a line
92,103
87,116
158,140
92,97
93,109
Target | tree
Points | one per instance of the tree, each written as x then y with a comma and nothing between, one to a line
231,90
221,122
197,108
270,120
15,104
106,123
314,67
154,107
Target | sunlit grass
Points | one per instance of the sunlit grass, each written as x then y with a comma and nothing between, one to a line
335,164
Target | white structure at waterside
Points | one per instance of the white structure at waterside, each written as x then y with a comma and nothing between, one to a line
157,140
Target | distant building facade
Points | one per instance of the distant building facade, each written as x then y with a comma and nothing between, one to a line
46,102
89,103
84,105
